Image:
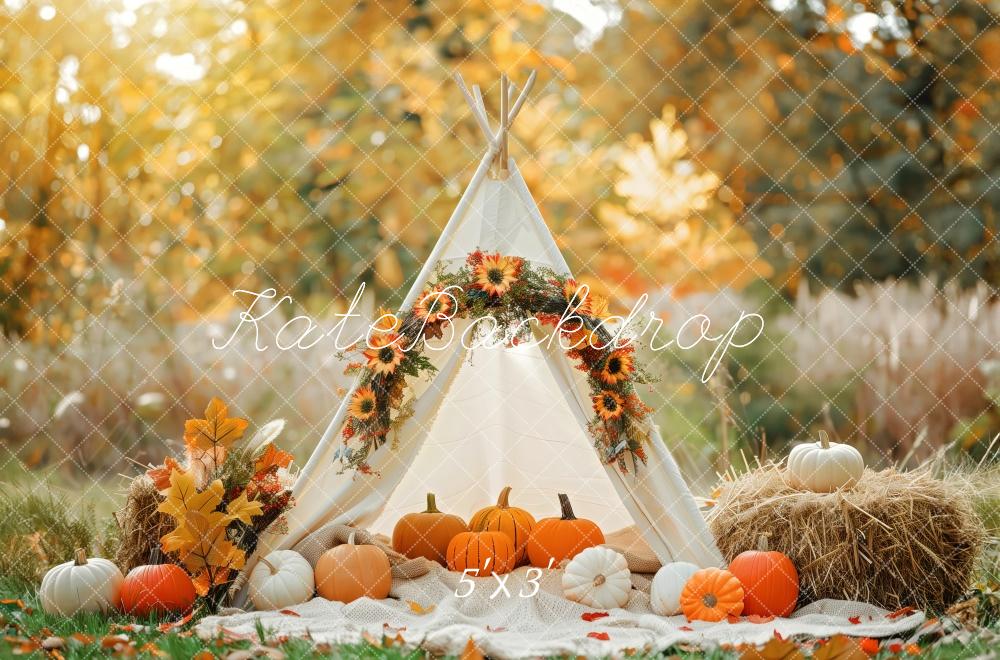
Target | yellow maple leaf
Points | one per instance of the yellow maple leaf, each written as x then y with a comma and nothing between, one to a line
182,496
216,430
243,509
200,542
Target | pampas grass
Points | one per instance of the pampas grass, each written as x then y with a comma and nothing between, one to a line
895,539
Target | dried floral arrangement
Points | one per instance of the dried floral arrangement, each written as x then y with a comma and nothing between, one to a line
507,290
210,509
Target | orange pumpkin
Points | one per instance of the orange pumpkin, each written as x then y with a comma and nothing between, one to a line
427,533
512,521
562,538
770,581
487,552
157,589
712,594
348,572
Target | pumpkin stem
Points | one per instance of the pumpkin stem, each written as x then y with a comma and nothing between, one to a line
80,557
709,600
824,440
599,580
431,504
503,502
155,555
762,543
272,567
567,508
350,539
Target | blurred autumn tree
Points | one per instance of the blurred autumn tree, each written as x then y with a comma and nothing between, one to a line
859,136
195,147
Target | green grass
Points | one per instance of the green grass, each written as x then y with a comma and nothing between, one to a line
32,623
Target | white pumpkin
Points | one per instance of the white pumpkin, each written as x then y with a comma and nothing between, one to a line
597,577
280,579
668,583
81,585
824,466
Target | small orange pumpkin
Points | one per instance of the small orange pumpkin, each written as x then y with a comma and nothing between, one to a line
512,521
712,594
487,552
427,533
769,579
348,572
157,589
562,538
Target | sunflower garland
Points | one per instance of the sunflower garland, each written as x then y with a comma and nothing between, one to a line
507,289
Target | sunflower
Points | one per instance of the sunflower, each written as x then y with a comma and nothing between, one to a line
618,367
608,405
435,305
363,403
495,274
383,353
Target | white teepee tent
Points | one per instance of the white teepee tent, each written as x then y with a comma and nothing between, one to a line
495,417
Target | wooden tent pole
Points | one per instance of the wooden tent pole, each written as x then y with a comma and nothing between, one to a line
501,171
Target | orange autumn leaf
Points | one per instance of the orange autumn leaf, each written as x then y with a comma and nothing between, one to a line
206,579
161,473
217,429
776,648
840,647
271,457
471,651
171,625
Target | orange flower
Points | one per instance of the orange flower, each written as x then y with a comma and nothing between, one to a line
579,338
386,321
362,403
576,296
384,353
618,367
435,305
608,405
496,274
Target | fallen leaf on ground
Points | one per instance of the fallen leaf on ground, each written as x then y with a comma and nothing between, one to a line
686,628
81,638
495,630
152,649
869,645
172,625
840,647
471,651
417,608
287,612
371,639
603,636
901,612
775,649
593,616
756,618
854,619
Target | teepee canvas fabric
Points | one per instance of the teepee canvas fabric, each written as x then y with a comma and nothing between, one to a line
492,417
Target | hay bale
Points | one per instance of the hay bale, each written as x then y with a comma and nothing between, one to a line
895,539
141,524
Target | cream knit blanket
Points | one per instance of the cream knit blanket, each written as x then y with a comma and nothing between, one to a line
426,611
